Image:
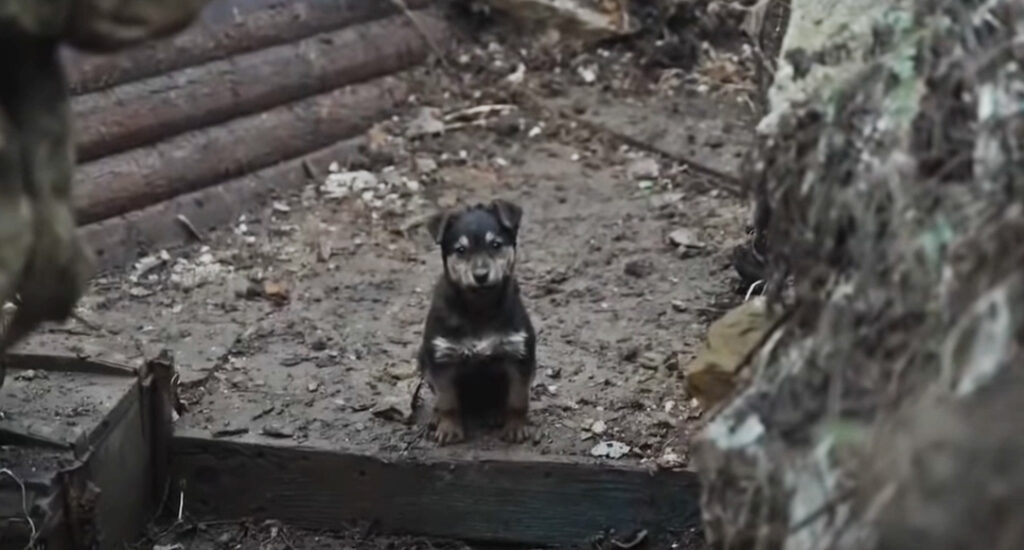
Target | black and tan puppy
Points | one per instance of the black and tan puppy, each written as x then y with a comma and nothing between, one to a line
479,347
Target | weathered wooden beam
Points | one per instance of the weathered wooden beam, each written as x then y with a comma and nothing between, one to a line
124,182
121,240
541,501
226,28
140,113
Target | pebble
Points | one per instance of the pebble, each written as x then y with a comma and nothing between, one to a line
639,268
278,431
643,169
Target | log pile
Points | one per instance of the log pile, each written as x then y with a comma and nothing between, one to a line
252,86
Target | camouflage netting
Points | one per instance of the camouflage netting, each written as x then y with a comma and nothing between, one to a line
880,412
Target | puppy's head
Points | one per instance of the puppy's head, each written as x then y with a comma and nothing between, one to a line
478,244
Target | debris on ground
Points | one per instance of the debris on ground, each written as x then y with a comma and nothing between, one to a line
581,19
610,449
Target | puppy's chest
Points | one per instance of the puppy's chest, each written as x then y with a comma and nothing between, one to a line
514,345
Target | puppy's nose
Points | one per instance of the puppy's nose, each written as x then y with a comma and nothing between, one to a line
480,277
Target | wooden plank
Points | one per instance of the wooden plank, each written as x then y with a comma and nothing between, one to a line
121,183
143,112
538,502
112,451
225,28
119,241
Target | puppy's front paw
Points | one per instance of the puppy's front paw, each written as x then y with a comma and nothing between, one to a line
516,430
449,430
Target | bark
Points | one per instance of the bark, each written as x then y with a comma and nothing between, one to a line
225,28
121,183
140,113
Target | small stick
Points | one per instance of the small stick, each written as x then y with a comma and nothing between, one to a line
191,228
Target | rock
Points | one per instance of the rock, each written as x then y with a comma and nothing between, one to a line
396,407
685,238
653,360
610,449
588,73
428,121
662,200
281,207
670,461
275,292
292,360
639,268
424,165
278,431
710,377
643,169
30,375
313,387
598,427
403,370
319,344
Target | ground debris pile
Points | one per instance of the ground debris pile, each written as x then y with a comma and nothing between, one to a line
877,412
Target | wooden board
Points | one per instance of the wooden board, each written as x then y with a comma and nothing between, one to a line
68,429
140,113
195,160
225,28
539,502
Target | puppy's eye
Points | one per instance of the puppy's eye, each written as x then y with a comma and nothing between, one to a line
460,249
495,244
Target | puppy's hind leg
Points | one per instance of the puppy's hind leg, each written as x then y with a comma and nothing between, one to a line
447,414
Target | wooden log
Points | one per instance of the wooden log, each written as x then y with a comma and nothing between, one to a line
140,113
119,241
539,501
225,28
120,183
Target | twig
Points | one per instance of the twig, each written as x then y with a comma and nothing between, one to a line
479,111
24,506
191,228
633,542
401,5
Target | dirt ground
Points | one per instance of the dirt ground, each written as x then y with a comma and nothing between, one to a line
272,535
302,321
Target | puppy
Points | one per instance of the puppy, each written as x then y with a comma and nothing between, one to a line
479,347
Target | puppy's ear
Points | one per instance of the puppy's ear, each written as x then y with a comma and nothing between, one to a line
437,224
509,214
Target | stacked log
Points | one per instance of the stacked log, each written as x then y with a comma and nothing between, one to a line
246,94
